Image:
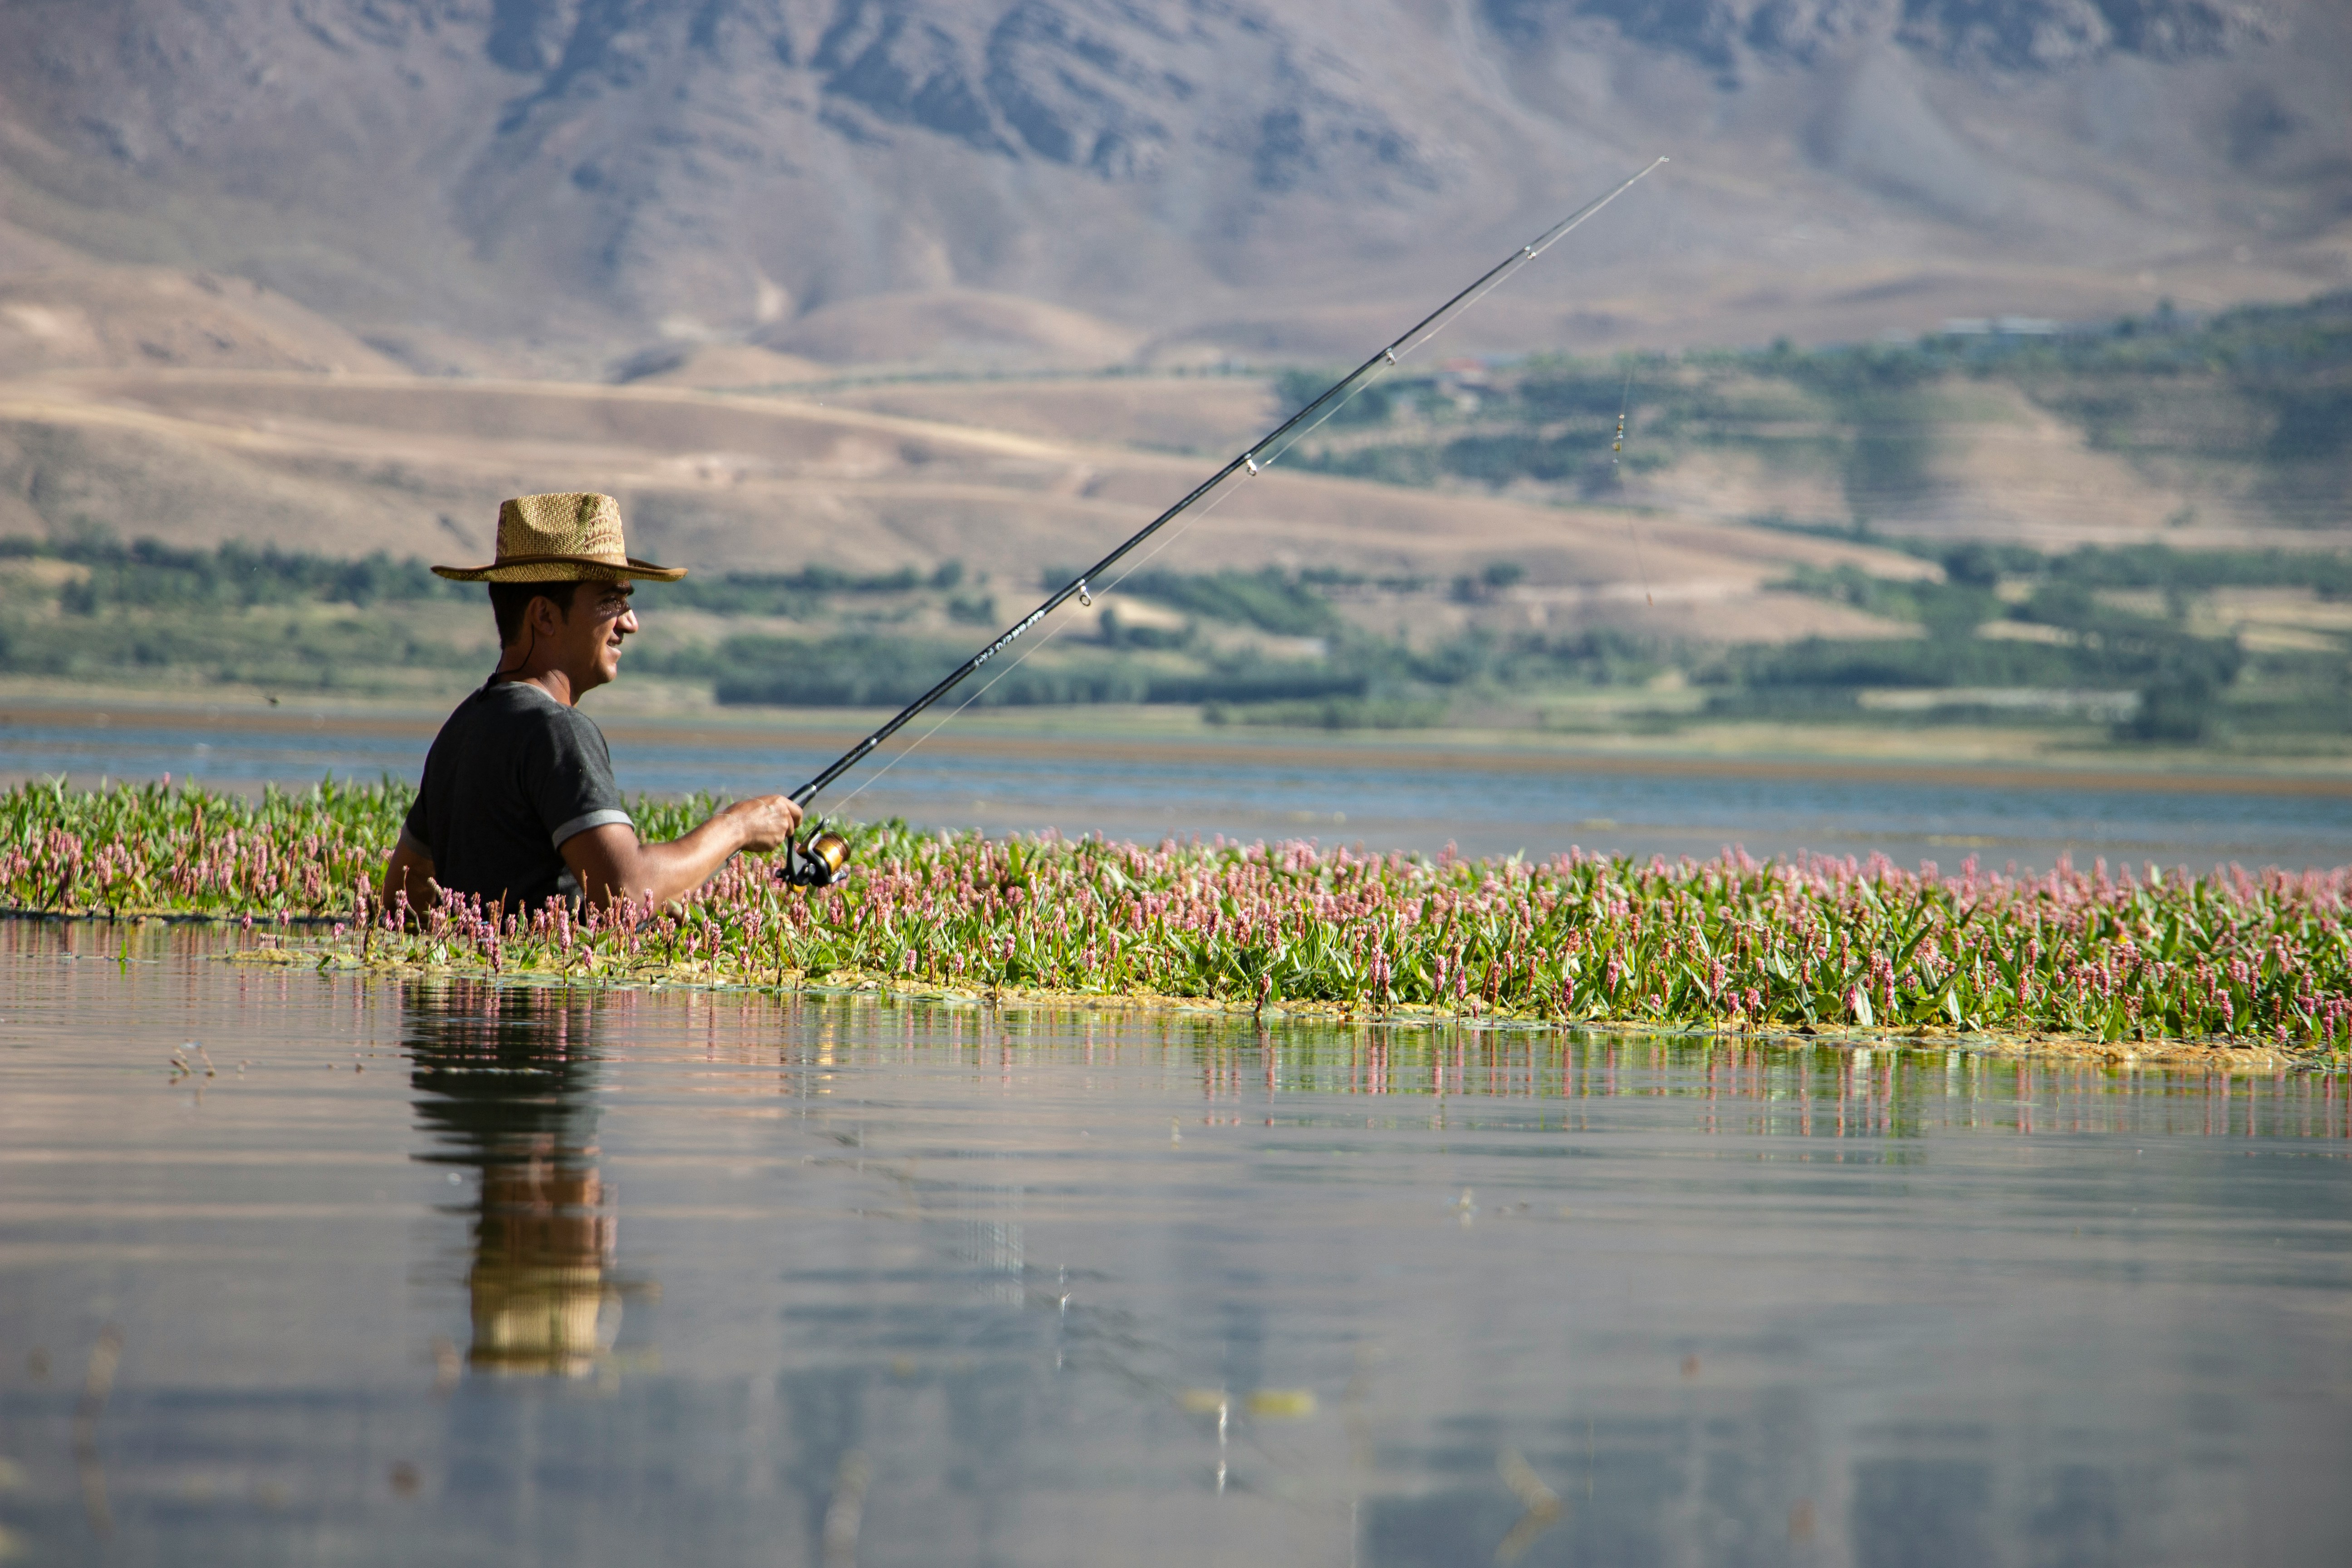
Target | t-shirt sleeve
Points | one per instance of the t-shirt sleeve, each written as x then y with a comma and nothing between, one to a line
572,783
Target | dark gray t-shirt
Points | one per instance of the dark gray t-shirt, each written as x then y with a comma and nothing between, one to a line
512,775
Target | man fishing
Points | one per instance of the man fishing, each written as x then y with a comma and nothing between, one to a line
518,804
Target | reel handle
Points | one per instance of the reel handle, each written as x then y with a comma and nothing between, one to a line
818,861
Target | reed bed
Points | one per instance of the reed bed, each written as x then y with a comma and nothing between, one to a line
1728,943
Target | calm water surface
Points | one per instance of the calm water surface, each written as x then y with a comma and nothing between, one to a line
463,1274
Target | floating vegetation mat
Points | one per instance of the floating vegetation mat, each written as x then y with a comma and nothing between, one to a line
1730,943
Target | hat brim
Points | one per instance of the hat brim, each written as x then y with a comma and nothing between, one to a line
560,569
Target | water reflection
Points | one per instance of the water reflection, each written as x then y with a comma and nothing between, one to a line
1868,1094
955,1284
505,1081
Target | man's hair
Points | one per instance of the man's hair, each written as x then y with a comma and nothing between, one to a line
510,602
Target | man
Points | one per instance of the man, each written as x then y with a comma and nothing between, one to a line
518,804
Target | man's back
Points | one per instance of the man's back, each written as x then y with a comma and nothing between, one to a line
512,775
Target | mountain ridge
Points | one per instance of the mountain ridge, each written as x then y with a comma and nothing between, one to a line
547,186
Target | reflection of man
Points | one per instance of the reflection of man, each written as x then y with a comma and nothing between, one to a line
505,1081
541,1252
518,804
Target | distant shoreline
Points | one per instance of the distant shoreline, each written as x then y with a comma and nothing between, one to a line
1116,736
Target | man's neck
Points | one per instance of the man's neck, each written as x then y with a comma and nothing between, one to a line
556,683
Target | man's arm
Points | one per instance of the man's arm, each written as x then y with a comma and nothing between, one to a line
410,872
610,865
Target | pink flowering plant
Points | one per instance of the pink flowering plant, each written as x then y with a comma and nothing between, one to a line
1729,943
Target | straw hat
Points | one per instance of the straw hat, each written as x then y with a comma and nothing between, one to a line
560,539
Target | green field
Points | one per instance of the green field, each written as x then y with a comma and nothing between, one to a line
2119,646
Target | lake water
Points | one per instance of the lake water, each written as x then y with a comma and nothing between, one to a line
1405,795
459,1274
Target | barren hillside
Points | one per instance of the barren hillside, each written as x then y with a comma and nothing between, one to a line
416,466
535,185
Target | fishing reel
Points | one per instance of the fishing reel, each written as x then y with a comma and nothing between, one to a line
817,861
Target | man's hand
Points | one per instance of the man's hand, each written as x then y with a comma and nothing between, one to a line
766,822
610,865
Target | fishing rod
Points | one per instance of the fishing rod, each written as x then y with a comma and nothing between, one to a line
823,857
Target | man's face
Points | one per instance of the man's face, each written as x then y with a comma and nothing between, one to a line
591,636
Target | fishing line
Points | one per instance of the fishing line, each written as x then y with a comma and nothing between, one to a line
1632,528
1412,336
1272,446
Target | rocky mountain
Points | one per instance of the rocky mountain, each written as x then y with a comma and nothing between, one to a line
2004,35
557,185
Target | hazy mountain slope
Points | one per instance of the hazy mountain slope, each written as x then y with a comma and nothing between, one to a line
416,466
565,180
89,318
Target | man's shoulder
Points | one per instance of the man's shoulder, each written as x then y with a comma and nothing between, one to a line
521,701
561,727
515,712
